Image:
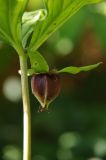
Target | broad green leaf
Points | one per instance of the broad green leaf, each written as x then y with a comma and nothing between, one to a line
29,20
10,20
75,70
38,63
59,11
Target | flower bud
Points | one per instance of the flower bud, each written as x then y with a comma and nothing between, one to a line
45,87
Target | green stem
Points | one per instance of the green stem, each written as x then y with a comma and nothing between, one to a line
26,109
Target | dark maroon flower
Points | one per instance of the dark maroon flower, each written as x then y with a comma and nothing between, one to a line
45,87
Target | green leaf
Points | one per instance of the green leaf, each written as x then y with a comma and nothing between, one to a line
38,63
59,11
10,20
29,20
75,70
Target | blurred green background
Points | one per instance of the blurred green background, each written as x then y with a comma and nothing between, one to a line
74,128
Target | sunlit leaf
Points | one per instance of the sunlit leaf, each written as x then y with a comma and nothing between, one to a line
29,20
59,11
75,70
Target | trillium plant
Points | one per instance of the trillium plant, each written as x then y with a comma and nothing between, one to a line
26,32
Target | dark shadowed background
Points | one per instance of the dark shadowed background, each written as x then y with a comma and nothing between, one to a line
74,128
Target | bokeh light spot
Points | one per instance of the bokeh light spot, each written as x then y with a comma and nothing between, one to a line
69,140
11,153
95,158
39,157
12,89
100,147
64,154
64,46
101,8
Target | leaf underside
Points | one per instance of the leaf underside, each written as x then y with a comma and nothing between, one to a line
38,63
76,70
10,20
16,32
59,11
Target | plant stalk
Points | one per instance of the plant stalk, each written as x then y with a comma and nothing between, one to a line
26,109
